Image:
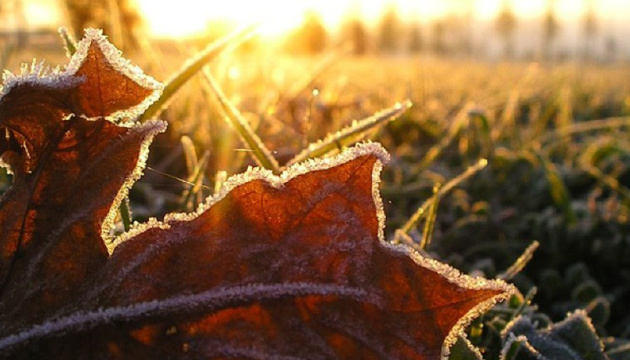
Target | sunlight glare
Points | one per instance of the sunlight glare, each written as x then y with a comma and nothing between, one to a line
192,17
276,17
168,18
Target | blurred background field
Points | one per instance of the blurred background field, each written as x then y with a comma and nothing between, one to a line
540,90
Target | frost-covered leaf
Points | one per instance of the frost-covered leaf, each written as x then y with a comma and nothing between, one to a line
572,339
288,267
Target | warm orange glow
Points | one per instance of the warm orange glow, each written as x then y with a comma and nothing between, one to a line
189,17
178,18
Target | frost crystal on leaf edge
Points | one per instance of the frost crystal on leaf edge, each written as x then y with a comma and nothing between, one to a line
368,148
38,74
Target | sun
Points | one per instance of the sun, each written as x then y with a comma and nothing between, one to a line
183,18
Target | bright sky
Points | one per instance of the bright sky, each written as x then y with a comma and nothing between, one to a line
186,17
182,17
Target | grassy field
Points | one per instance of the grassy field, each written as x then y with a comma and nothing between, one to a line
556,138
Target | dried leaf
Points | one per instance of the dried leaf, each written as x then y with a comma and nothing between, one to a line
290,266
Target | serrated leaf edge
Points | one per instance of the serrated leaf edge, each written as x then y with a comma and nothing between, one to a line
368,148
38,74
149,129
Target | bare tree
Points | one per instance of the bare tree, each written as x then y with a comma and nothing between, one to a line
551,28
416,43
389,30
589,29
438,37
355,33
505,25
311,37
461,23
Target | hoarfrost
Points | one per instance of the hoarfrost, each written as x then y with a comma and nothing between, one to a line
38,74
311,165
355,129
520,339
217,297
277,181
574,337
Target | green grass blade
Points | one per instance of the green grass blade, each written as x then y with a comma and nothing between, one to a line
261,154
557,187
349,134
68,41
526,302
587,126
507,122
512,348
429,224
125,214
219,179
190,155
460,119
423,209
609,181
483,128
192,194
194,66
520,263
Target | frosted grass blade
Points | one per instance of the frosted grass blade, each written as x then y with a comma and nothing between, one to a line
193,196
350,134
588,126
68,41
557,187
261,154
429,224
520,263
423,209
460,119
125,214
194,66
190,155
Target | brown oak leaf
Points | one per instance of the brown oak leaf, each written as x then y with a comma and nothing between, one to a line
272,267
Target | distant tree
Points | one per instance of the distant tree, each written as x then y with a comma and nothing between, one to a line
416,43
611,48
589,29
310,37
461,22
119,19
389,30
355,32
505,26
438,37
460,27
551,28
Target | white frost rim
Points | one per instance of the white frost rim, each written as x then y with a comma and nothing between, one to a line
38,74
